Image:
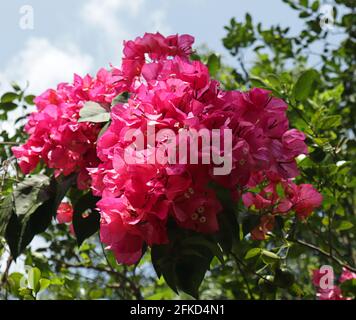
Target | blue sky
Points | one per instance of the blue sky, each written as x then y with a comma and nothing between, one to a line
81,36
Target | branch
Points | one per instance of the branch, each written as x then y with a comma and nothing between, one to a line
245,280
132,285
9,143
324,253
238,260
6,272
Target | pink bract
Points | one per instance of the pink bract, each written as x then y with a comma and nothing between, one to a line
170,91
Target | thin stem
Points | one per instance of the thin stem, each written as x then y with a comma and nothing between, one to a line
245,280
237,259
132,285
5,274
324,253
9,143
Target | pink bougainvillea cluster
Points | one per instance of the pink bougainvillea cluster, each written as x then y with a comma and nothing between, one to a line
332,291
168,90
56,136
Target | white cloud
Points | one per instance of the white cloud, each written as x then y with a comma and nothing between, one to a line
102,14
120,20
45,65
159,22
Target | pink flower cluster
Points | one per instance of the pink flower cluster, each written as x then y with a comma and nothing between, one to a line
302,199
167,90
333,292
56,136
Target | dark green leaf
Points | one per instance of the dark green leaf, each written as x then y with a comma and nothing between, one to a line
6,211
36,201
348,288
249,222
120,98
86,220
184,261
29,99
283,278
8,106
103,129
9,97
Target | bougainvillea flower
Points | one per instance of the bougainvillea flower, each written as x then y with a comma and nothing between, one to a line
64,213
168,93
56,136
266,225
346,275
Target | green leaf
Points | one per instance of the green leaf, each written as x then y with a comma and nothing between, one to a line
201,241
120,98
9,97
273,80
249,222
6,211
86,220
304,85
315,6
29,99
44,284
304,14
15,86
344,225
318,155
330,122
304,3
283,278
258,82
348,288
8,106
295,290
190,272
34,276
228,226
269,257
104,128
183,270
213,64
280,191
253,253
14,281
30,193
266,284
93,112
164,265
36,201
